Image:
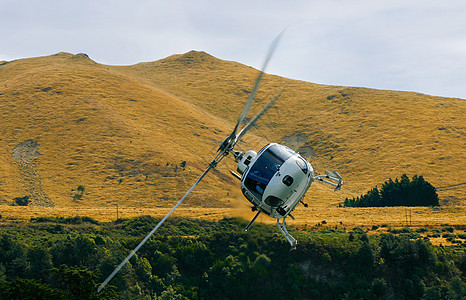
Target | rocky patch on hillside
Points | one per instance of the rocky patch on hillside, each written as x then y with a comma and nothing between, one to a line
25,155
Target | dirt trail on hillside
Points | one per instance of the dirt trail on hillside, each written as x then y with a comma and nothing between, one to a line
25,155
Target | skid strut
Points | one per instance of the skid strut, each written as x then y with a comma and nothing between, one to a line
252,221
289,238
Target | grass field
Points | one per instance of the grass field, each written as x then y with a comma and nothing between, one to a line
344,217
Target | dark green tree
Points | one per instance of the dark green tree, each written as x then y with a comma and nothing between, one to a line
12,257
39,263
77,282
29,289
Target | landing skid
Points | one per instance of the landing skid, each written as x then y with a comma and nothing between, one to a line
289,238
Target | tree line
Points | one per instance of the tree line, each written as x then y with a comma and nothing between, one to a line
403,192
56,258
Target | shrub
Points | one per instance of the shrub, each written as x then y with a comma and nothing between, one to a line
69,220
21,201
447,235
449,229
401,230
80,192
81,189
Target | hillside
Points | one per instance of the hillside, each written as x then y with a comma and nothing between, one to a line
369,135
123,140
138,136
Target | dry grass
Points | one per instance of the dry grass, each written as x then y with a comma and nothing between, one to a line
333,216
123,132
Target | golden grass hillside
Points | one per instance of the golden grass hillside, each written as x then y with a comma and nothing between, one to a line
138,136
368,135
124,141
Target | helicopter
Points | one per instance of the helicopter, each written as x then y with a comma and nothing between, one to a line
274,180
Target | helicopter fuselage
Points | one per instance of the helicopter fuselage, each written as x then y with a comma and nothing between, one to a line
275,179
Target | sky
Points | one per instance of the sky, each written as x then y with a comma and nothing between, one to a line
404,45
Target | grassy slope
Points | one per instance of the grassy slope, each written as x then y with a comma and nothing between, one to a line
122,131
96,127
368,135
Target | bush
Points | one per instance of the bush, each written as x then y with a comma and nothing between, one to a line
447,235
69,220
21,201
422,230
401,230
449,229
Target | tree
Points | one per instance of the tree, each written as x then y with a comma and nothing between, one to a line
170,294
39,263
12,256
77,282
193,257
80,192
81,189
29,289
364,259
80,250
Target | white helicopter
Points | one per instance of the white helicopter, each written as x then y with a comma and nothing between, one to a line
274,180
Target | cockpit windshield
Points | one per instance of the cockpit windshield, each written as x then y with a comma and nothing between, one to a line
265,167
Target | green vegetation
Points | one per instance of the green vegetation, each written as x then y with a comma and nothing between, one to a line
67,258
21,201
404,192
79,192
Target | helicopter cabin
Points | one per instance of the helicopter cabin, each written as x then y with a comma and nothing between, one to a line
275,179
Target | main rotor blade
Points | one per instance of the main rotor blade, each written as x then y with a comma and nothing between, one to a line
211,166
256,85
260,114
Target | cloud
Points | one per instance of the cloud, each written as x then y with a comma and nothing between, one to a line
414,45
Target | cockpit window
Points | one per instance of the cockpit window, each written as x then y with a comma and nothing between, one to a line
265,167
302,164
